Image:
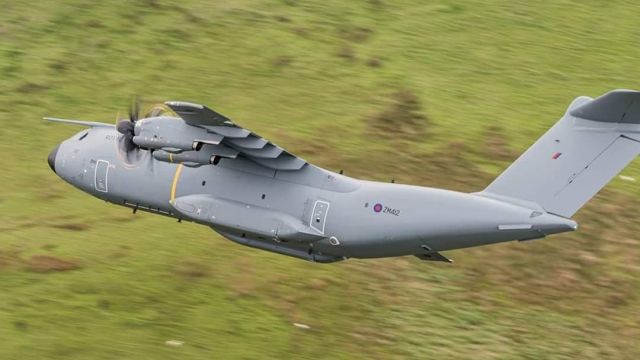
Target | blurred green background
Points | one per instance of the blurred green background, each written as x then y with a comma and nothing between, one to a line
435,93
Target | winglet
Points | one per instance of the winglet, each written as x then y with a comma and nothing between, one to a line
79,122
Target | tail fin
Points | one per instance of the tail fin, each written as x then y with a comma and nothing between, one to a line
567,166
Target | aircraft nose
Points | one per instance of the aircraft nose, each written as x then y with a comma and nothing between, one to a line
52,158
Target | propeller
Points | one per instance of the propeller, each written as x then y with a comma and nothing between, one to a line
127,126
130,151
134,110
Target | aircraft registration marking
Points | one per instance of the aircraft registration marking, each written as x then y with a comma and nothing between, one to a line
379,208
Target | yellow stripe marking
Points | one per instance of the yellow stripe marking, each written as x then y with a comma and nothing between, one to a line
171,157
174,185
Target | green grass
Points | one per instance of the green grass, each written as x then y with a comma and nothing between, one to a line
491,77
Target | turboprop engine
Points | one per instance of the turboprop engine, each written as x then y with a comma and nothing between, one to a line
172,135
204,154
199,136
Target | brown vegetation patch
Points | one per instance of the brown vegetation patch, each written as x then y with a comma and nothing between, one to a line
282,18
446,167
496,145
402,115
46,263
71,226
282,61
191,269
346,52
49,247
319,283
20,325
301,31
58,65
95,23
104,304
450,167
304,148
374,62
191,17
29,88
118,254
9,258
154,4
243,283
357,34
50,193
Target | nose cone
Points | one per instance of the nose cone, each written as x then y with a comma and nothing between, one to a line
52,158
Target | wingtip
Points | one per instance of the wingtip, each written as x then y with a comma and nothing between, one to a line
174,103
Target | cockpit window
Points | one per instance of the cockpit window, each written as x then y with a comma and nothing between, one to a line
84,135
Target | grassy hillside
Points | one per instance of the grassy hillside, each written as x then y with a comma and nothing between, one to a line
433,93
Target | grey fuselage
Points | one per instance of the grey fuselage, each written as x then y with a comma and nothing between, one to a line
336,216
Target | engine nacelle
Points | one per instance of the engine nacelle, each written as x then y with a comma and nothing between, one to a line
208,154
189,158
172,134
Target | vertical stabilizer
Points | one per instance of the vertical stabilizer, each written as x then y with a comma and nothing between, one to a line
578,156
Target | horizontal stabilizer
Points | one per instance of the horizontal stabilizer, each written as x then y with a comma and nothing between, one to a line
433,256
618,106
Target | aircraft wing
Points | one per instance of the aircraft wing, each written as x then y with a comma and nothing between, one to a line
246,143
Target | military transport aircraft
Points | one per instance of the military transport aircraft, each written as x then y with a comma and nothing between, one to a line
194,164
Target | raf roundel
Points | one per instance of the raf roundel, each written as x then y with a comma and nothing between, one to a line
377,207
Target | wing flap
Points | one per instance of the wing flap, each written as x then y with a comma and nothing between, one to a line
285,161
251,142
268,152
232,132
